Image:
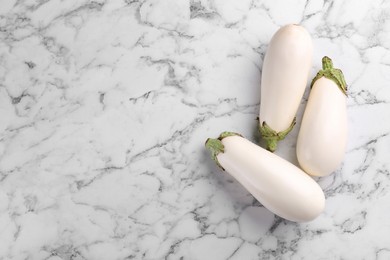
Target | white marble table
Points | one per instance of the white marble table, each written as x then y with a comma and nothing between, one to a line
105,107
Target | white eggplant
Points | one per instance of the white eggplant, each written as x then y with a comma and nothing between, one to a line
322,137
285,73
279,185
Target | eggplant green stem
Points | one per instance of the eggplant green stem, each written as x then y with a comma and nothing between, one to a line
329,72
272,137
215,146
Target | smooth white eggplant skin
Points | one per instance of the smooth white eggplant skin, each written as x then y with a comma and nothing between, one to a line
279,185
322,138
285,73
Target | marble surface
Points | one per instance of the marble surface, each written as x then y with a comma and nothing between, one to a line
105,107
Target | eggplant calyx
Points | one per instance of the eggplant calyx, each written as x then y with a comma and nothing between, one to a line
272,137
334,74
215,146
